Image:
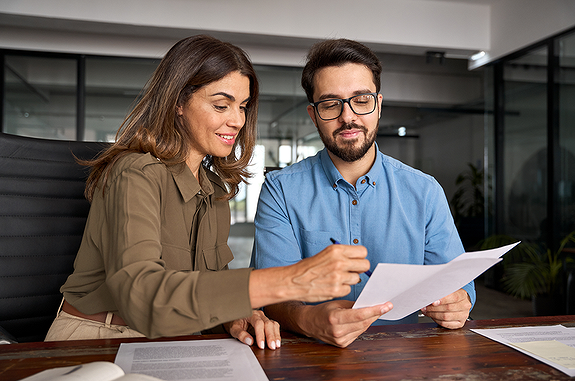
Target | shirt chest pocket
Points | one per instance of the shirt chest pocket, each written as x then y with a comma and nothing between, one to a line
210,259
214,259
176,257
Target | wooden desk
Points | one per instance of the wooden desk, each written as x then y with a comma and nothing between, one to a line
400,352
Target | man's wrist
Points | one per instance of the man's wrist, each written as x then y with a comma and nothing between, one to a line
301,315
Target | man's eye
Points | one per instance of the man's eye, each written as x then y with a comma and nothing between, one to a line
329,105
361,100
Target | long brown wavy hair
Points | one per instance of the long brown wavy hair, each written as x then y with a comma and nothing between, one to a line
153,127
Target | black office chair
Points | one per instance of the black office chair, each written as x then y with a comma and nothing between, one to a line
42,216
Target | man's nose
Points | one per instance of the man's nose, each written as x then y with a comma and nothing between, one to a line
347,114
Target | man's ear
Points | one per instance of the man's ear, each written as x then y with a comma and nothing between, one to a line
311,113
380,103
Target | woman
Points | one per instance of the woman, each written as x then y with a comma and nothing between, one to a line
156,237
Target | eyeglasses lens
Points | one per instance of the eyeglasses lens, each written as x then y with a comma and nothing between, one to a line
360,104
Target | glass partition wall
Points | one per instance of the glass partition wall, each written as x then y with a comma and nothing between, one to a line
530,143
40,96
565,189
524,140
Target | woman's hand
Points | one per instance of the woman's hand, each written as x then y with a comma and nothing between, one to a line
327,275
265,330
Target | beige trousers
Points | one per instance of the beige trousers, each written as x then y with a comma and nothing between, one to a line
70,327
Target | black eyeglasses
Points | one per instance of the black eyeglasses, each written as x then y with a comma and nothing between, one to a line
361,104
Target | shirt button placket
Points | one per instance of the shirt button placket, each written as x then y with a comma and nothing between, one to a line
355,220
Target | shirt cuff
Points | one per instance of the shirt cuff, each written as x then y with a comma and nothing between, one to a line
223,296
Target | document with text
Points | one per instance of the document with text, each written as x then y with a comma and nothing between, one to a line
552,345
412,287
214,360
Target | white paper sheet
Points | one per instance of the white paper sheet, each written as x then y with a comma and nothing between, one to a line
214,360
517,337
412,287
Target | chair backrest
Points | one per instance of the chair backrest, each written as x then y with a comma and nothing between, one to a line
42,216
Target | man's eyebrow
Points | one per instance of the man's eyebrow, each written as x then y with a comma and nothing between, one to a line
231,97
335,96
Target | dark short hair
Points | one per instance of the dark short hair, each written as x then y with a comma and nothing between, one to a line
338,53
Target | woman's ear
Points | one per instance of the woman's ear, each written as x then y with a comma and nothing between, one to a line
179,111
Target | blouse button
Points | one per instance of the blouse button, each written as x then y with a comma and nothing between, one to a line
373,183
363,181
354,202
356,241
334,186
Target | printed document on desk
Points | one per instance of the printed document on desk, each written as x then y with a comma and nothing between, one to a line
553,345
412,287
214,360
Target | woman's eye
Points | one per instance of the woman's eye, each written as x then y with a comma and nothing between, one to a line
220,108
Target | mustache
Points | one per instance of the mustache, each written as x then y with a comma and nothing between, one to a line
350,126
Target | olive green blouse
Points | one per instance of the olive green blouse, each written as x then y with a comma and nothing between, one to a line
153,247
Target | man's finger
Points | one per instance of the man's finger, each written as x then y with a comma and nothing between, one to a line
374,311
351,251
349,316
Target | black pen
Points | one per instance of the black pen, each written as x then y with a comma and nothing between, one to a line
368,272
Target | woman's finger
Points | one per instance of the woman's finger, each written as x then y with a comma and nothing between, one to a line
273,336
266,330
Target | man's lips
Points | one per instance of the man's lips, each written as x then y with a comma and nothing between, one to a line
349,134
350,131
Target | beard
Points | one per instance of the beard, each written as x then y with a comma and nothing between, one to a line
348,151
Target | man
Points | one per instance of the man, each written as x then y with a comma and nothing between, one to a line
354,194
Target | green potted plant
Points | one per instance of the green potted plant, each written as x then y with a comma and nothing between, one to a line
492,278
468,200
468,203
538,276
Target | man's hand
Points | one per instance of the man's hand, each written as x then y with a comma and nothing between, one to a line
450,312
265,330
336,323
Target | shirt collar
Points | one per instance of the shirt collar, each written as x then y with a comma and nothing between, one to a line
187,183
376,169
331,171
334,176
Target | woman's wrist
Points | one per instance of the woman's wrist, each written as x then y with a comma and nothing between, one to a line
271,286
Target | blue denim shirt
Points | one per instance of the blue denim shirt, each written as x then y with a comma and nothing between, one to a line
398,213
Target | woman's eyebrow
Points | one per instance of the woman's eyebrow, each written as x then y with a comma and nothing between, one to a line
231,97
